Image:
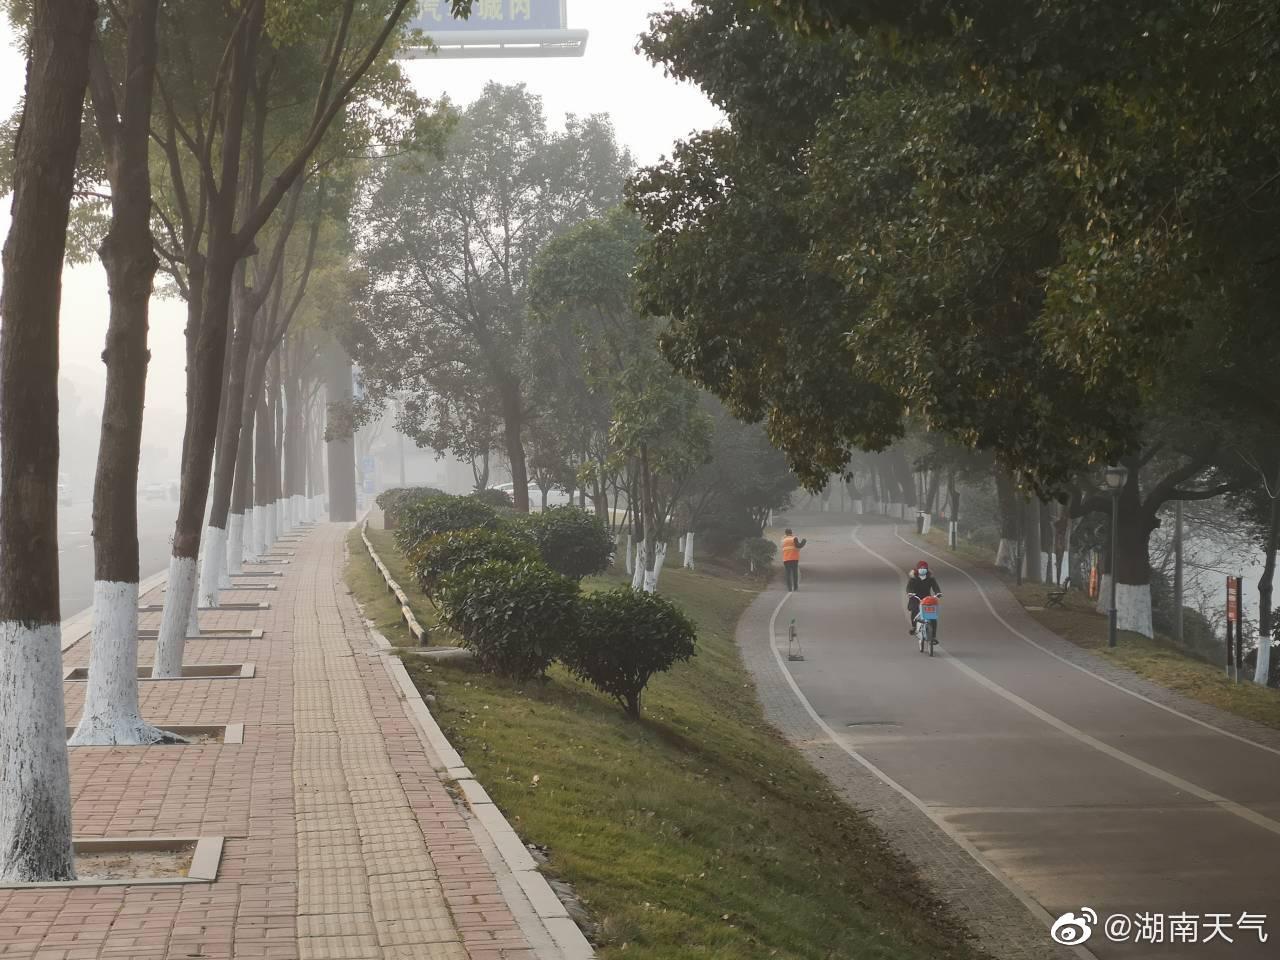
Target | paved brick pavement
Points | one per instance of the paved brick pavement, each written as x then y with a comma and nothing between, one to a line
342,840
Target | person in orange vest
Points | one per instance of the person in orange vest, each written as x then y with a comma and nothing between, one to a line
791,545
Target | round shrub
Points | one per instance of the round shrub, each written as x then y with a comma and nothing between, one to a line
394,501
424,519
493,497
570,541
446,554
624,638
515,617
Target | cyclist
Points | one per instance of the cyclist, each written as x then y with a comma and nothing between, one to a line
921,583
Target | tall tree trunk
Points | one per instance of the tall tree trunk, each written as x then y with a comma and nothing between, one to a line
240,526
111,713
263,447
277,461
216,535
1034,569
293,457
35,796
341,449
1131,565
206,352
1007,498
512,432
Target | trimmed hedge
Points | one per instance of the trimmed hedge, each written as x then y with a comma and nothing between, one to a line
515,617
493,497
449,553
571,542
421,521
624,638
394,501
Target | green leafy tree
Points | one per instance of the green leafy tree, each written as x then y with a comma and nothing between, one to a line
449,244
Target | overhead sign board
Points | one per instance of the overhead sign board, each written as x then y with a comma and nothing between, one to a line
434,18
497,29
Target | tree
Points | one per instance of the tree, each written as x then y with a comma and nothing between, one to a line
744,477
35,794
215,238
122,112
583,296
448,245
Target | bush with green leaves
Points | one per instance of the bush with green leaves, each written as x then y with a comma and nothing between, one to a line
515,617
493,497
450,553
424,519
572,542
394,501
624,638
758,553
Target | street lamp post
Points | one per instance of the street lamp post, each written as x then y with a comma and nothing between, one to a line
1116,476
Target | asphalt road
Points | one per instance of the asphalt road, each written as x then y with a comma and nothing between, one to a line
75,548
1075,792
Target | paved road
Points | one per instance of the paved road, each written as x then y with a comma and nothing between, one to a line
1075,792
75,548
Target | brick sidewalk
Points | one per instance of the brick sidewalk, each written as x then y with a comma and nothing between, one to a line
342,841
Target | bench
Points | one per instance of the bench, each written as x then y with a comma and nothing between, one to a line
1058,595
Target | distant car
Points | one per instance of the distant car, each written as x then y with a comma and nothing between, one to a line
155,491
555,496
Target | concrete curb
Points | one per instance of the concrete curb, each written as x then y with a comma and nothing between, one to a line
405,612
556,936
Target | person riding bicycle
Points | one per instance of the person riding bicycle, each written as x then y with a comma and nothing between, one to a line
921,583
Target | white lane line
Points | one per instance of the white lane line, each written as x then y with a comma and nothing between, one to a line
1173,780
1039,912
1075,666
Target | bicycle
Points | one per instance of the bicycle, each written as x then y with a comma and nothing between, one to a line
926,622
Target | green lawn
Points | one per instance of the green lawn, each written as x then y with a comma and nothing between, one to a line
1158,660
696,833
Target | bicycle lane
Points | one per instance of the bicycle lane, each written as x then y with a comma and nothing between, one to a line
1014,753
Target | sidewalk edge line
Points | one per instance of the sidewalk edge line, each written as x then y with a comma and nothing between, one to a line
570,942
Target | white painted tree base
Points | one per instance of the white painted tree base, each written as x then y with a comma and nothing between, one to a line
258,540
1006,554
111,716
688,550
1133,608
235,546
1262,670
35,782
638,570
281,520
179,608
630,556
268,526
1103,603
651,576
213,565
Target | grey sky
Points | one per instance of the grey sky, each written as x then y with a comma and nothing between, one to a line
649,111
